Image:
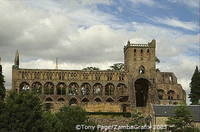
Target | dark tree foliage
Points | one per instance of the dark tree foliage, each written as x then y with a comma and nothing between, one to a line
21,113
117,67
91,69
181,120
70,117
195,87
2,86
66,119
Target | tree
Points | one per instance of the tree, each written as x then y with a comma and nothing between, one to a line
117,67
2,87
91,69
182,118
195,87
70,117
66,119
21,113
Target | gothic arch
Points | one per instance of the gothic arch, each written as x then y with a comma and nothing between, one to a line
123,99
49,88
85,89
141,69
24,86
61,88
109,99
109,89
141,91
36,87
73,88
85,100
61,100
122,89
170,94
98,99
97,89
48,99
73,101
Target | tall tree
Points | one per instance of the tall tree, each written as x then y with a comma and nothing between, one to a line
195,88
2,86
182,118
21,113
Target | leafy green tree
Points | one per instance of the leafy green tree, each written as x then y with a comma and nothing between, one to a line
70,117
195,87
91,69
181,120
21,113
117,67
66,119
2,86
51,122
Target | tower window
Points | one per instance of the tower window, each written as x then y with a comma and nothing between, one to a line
147,50
141,51
134,50
141,70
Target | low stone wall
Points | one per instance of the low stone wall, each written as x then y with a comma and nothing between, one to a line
102,107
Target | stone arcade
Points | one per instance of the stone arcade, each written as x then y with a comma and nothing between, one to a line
137,87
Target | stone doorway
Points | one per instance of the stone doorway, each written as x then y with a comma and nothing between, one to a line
141,92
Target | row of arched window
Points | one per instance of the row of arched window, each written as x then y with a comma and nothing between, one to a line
85,100
73,89
170,94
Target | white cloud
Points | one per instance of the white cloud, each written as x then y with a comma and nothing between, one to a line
177,23
190,3
82,37
145,2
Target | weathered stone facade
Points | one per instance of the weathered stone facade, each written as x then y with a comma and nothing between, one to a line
136,87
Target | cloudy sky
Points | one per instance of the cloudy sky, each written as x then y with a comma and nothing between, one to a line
84,33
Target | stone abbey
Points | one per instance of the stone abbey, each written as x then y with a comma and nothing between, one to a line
137,87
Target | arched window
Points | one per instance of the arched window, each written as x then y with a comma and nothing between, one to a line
49,88
97,100
170,94
61,100
147,50
85,100
37,87
24,86
73,101
109,100
123,99
48,99
160,93
141,70
61,89
85,89
73,89
122,89
97,88
109,89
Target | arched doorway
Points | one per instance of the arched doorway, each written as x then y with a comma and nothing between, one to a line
141,92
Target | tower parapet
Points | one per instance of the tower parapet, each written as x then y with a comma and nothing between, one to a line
151,44
139,55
